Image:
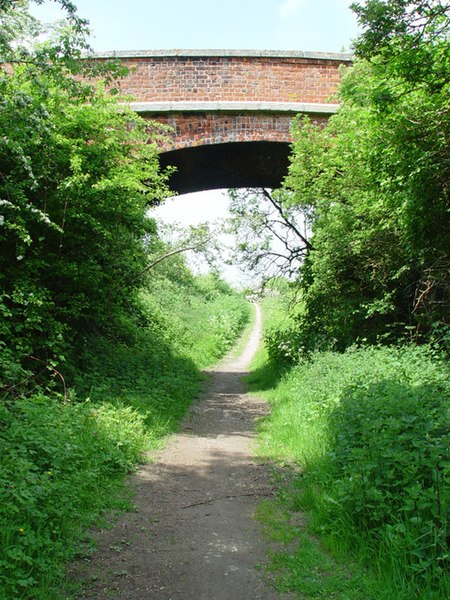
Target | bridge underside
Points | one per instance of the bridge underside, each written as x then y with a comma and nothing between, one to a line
227,165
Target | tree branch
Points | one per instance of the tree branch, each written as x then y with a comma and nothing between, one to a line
288,222
169,254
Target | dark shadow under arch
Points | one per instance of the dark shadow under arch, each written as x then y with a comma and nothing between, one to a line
229,165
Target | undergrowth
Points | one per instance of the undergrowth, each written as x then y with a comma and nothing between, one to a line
60,466
63,463
298,559
368,430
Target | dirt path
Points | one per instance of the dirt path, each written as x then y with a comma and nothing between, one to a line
193,536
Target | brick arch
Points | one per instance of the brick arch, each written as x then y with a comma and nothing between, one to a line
206,128
211,150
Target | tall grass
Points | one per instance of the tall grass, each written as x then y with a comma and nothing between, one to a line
201,320
63,464
368,429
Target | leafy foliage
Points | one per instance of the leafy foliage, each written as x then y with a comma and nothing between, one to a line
75,183
60,465
379,198
390,465
369,430
408,36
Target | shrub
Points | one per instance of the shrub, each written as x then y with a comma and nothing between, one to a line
60,465
370,429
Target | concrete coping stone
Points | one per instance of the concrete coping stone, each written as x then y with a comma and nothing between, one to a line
286,107
218,53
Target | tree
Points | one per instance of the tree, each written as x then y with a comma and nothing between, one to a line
76,179
373,188
271,235
375,182
408,46
408,37
200,240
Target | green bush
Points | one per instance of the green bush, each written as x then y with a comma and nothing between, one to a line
60,465
389,463
370,429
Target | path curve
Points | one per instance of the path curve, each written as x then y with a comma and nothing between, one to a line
193,536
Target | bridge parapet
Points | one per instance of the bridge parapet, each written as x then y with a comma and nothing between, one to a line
230,76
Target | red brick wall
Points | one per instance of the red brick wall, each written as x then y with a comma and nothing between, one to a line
236,78
192,129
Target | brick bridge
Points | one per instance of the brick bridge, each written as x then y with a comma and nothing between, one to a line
230,111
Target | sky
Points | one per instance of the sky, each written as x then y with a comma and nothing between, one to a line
307,25
310,25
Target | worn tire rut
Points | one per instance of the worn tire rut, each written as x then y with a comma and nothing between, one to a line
193,535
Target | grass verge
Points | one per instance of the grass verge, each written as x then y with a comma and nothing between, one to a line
298,560
368,432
